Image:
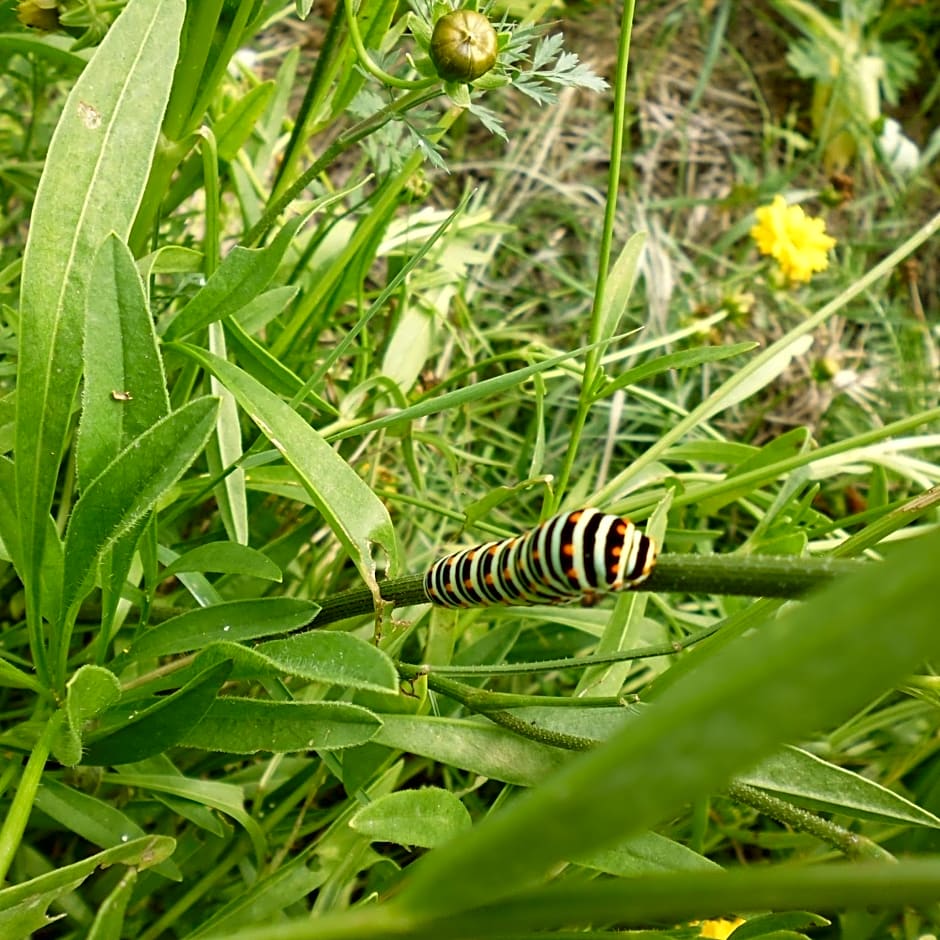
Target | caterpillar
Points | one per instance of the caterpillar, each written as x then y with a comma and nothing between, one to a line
566,557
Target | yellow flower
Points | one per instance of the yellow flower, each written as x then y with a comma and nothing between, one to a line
797,242
718,929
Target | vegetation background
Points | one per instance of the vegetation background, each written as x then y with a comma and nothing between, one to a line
285,316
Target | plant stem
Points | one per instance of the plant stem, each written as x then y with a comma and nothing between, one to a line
849,843
365,60
18,815
595,353
751,576
349,138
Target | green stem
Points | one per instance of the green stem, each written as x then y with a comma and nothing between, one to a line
849,843
595,353
324,69
342,143
785,576
18,815
485,701
365,60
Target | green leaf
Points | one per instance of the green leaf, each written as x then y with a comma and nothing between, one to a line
89,693
337,658
225,558
353,511
202,794
243,274
244,726
234,128
803,778
46,889
13,678
762,924
428,817
56,50
129,487
162,725
231,621
684,359
258,313
94,175
477,746
620,283
796,674
95,820
9,524
109,919
644,854
121,359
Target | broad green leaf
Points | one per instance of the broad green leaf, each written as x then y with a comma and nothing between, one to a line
355,514
436,402
95,820
124,393
247,662
795,774
152,730
22,921
477,746
244,726
130,486
428,817
644,854
94,175
763,924
639,901
795,674
243,274
225,558
232,621
729,453
337,658
223,797
91,691
141,853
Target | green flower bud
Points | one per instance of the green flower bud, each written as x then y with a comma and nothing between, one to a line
463,46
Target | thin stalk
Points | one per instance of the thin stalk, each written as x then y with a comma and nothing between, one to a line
595,353
323,72
18,815
365,60
349,138
485,701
